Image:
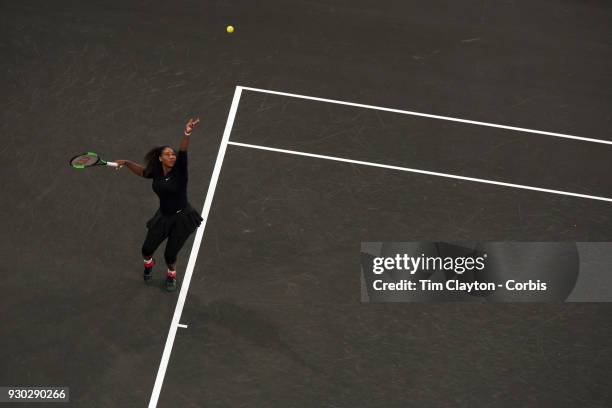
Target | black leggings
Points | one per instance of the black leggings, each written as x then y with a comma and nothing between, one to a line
175,227
176,240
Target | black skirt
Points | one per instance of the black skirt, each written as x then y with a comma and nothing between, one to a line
184,222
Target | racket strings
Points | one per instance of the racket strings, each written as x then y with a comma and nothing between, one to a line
84,160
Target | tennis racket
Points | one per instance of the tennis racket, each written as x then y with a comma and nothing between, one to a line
89,159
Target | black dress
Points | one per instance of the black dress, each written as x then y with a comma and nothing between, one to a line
175,219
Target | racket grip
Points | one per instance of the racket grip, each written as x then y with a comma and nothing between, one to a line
112,164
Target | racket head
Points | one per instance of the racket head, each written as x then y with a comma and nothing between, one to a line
84,160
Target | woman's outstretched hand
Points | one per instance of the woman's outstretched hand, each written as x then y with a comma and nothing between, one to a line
191,124
120,164
136,168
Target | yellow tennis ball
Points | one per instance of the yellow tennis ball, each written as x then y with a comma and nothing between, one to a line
230,29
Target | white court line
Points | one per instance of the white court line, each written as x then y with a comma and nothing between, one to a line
159,380
426,115
430,173
163,365
182,326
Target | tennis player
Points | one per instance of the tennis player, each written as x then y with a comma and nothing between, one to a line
175,220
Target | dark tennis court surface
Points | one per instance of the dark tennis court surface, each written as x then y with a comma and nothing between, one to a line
273,314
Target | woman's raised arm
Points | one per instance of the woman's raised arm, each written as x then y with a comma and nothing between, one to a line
191,124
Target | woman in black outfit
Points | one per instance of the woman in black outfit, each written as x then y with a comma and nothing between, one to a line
175,219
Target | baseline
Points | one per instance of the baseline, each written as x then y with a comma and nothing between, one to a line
163,365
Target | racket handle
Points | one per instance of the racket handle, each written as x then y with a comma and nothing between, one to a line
112,164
